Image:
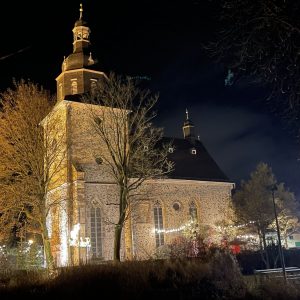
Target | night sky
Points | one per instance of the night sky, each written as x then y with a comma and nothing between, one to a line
161,41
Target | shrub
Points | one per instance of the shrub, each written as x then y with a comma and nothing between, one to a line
176,278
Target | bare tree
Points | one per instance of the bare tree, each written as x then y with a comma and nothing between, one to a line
31,158
261,39
122,117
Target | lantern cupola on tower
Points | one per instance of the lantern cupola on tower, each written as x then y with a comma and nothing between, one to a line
81,34
79,69
81,56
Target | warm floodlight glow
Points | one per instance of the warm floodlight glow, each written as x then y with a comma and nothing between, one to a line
64,238
74,234
75,241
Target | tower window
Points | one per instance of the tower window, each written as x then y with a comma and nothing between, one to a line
74,88
93,85
171,150
78,35
85,35
96,243
159,226
81,34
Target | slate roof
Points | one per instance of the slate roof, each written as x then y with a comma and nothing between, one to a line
199,166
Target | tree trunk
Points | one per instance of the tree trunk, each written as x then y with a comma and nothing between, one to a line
119,226
117,242
261,250
47,248
267,261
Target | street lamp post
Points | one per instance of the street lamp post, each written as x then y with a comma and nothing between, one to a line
274,188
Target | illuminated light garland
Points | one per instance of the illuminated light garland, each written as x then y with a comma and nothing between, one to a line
172,230
247,236
182,227
236,226
3,250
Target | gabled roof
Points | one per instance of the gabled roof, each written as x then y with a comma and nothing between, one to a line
197,166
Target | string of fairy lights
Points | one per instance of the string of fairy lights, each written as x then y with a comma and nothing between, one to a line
192,222
172,230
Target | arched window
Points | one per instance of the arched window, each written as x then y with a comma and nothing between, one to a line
159,226
193,211
74,89
96,242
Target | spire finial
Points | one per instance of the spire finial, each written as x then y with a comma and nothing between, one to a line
80,11
187,113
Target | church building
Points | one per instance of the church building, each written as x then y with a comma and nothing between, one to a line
80,228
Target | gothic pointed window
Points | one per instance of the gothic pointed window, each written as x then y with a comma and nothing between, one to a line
159,225
96,241
74,87
193,211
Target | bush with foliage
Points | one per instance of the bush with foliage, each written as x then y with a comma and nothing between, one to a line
192,278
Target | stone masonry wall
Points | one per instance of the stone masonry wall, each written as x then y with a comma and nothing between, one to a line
211,198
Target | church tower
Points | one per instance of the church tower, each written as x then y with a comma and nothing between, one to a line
78,226
79,74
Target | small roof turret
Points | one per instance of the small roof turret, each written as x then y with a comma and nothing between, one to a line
187,122
188,128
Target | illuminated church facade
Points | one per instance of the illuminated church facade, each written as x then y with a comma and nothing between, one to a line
81,228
